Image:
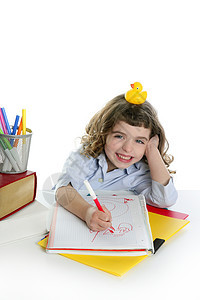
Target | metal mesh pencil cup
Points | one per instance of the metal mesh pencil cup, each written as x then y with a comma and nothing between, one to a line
14,152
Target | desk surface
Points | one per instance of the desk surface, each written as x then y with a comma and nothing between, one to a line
27,272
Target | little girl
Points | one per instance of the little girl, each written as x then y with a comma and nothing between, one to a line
124,148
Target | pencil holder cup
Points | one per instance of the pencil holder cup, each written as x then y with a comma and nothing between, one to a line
14,152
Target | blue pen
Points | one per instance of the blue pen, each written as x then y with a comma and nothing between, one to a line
14,129
15,125
6,120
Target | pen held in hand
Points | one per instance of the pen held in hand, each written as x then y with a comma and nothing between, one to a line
94,197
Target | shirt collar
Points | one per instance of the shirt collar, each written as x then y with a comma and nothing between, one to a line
102,162
132,168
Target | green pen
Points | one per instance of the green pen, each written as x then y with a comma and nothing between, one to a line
6,141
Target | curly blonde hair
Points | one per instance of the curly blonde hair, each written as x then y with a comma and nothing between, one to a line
118,109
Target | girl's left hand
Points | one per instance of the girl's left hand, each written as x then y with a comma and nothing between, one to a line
153,142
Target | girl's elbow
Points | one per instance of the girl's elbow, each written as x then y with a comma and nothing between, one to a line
168,201
164,200
164,196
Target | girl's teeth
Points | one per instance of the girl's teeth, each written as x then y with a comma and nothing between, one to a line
123,157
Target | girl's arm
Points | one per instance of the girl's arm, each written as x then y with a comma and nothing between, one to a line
156,164
71,200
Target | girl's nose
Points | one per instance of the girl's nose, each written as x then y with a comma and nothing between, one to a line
127,146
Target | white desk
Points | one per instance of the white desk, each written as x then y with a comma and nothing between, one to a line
27,272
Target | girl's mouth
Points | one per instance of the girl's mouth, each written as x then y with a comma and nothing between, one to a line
124,158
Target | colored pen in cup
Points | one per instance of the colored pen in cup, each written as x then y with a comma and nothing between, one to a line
94,197
15,125
18,133
24,139
8,151
16,163
3,122
14,129
14,149
7,166
6,120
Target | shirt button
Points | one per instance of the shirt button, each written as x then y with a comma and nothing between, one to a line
100,180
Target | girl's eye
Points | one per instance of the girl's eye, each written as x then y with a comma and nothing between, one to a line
119,137
139,142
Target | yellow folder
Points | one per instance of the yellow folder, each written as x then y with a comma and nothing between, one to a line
162,227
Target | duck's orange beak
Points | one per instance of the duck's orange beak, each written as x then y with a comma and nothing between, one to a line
132,85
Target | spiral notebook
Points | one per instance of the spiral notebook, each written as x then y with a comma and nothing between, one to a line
132,235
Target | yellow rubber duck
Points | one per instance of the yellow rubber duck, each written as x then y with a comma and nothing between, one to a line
136,96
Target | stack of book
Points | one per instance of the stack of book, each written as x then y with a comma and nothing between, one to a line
20,215
16,191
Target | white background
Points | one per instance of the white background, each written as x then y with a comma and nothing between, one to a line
63,60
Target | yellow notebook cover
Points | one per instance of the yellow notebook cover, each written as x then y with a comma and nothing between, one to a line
162,227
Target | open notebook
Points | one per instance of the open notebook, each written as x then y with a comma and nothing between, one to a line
132,235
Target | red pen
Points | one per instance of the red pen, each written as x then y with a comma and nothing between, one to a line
94,197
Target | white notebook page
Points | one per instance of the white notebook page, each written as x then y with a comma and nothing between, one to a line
128,219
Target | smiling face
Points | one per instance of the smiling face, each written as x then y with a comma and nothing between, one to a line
125,145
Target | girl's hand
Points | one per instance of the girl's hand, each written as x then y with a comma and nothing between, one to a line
97,220
156,164
152,143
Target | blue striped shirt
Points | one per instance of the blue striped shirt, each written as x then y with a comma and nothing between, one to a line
135,178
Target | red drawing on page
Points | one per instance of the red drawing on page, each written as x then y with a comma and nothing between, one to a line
94,236
126,200
121,230
117,209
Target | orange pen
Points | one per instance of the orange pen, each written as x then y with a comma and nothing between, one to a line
18,133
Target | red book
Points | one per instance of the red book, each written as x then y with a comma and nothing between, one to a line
16,192
167,212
